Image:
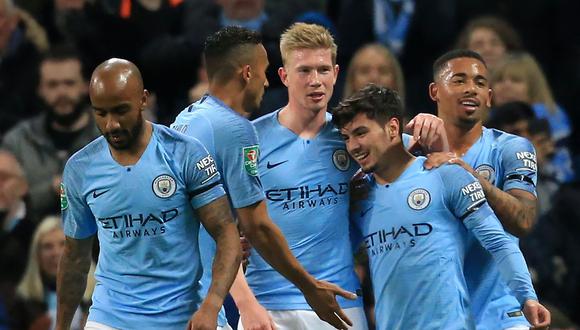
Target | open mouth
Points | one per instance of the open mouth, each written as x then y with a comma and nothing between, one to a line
316,96
470,104
360,156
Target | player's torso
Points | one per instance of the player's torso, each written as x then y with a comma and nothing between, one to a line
415,247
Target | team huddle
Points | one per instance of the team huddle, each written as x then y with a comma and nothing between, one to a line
168,204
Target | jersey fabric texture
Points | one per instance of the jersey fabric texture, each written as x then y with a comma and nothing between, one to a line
149,266
508,162
415,233
306,186
232,141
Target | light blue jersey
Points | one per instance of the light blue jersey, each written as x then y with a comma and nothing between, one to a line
509,162
415,232
232,140
149,265
306,186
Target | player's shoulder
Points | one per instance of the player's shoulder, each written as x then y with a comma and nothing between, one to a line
88,152
266,123
175,140
503,139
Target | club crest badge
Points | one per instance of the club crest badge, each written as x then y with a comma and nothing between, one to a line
164,186
419,199
340,159
487,172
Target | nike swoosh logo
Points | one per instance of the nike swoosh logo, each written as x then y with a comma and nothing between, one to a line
363,213
269,166
95,194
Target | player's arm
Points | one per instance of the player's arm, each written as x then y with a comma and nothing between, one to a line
516,207
217,219
464,196
71,279
510,261
269,241
252,314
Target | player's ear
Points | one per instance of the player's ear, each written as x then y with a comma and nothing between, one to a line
144,99
393,127
246,73
283,75
433,91
489,98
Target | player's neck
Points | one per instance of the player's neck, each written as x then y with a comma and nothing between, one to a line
230,95
132,155
304,123
393,164
462,138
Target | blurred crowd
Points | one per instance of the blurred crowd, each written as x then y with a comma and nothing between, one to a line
49,47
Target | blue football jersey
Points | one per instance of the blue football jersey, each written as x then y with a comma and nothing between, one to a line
415,233
306,186
508,162
149,265
232,140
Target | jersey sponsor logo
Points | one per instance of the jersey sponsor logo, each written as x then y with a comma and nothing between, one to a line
272,165
395,238
340,159
251,159
208,167
487,172
528,160
419,199
138,225
308,196
475,193
63,198
164,186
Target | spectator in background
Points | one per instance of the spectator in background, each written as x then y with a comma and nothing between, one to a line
374,63
491,37
518,77
518,118
43,144
35,305
16,229
22,40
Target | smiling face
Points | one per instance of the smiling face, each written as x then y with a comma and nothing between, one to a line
310,76
368,142
461,90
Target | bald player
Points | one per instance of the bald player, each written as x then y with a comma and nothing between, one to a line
144,190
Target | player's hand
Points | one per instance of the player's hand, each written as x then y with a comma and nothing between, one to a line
538,315
204,319
246,251
428,133
322,299
255,317
359,188
437,159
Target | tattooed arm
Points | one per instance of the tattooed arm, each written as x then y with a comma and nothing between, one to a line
217,219
515,208
72,278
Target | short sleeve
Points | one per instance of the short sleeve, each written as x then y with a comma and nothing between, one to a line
464,196
78,219
239,149
518,158
202,176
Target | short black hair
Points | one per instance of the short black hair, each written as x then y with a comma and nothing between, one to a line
509,114
224,50
378,103
453,54
64,52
